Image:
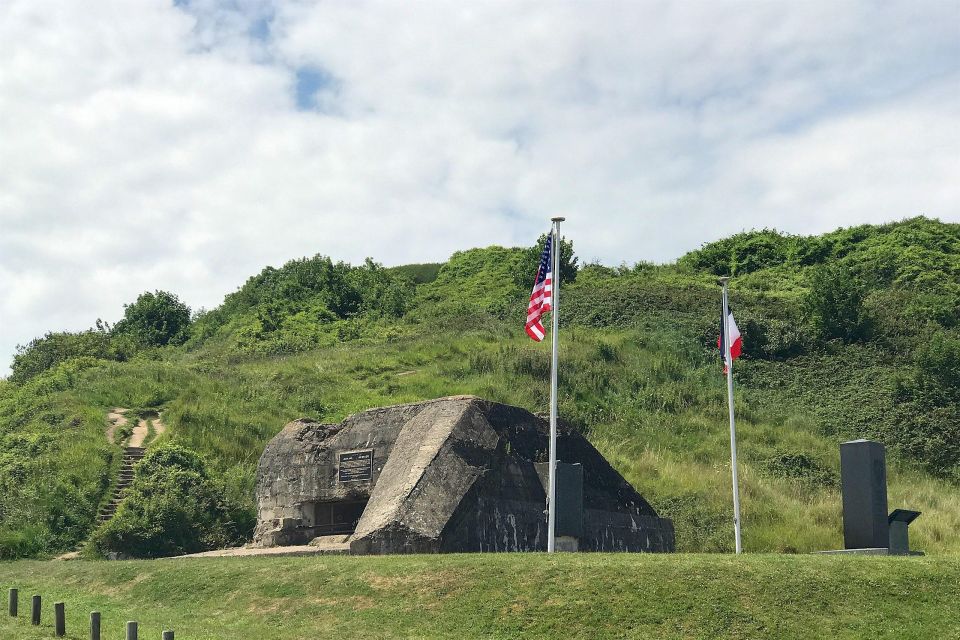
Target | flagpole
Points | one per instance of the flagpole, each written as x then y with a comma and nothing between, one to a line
554,317
725,321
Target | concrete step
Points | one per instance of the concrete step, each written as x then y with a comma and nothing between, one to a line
131,457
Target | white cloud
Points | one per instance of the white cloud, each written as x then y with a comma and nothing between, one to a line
150,145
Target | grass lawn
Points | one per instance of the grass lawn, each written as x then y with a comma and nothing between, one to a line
498,596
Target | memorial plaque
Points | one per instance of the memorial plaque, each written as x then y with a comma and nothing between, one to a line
863,478
355,466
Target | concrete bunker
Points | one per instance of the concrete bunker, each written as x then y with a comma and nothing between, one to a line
446,475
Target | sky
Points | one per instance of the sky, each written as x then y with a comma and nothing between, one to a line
183,146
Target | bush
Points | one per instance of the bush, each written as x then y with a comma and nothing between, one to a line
298,306
800,466
938,367
174,507
155,319
743,253
42,354
835,304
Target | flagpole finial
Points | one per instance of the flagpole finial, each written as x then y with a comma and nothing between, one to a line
557,219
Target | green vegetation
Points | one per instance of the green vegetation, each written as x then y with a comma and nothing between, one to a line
850,334
173,508
500,596
155,319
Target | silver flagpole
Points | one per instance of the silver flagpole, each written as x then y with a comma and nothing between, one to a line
733,427
554,317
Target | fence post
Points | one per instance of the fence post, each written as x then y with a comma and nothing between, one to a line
14,596
35,611
168,635
94,625
131,630
59,620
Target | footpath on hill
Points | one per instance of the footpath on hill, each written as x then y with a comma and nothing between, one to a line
141,432
133,451
523,595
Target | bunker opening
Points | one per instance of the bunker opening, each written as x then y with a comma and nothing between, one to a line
337,518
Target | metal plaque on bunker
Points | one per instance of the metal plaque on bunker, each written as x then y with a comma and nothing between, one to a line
355,466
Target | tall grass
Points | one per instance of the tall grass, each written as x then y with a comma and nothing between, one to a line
654,404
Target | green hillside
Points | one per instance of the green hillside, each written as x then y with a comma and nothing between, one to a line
500,596
850,334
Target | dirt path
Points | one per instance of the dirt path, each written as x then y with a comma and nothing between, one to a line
139,435
335,546
117,420
141,432
158,427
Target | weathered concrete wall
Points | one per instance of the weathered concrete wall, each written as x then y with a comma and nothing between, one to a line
299,467
453,474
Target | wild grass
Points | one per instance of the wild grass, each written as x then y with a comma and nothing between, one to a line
653,403
637,375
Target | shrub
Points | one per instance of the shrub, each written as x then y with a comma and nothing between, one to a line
938,366
799,466
297,307
742,253
42,354
174,507
835,304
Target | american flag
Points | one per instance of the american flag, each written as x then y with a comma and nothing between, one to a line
542,293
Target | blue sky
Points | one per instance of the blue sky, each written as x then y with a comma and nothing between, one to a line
151,144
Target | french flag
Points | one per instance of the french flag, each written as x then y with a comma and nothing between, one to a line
736,340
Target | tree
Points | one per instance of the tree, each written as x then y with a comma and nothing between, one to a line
531,259
155,319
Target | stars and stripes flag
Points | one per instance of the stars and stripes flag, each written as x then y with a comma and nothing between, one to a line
540,299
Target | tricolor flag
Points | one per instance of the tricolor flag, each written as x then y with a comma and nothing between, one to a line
736,340
542,293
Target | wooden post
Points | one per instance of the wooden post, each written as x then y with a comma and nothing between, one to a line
35,611
94,625
131,630
14,596
59,620
168,635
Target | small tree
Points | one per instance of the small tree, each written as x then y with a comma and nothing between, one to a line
531,258
155,319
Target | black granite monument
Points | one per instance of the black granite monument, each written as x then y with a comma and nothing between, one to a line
863,476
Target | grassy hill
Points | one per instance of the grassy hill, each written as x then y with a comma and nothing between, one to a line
500,596
849,334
